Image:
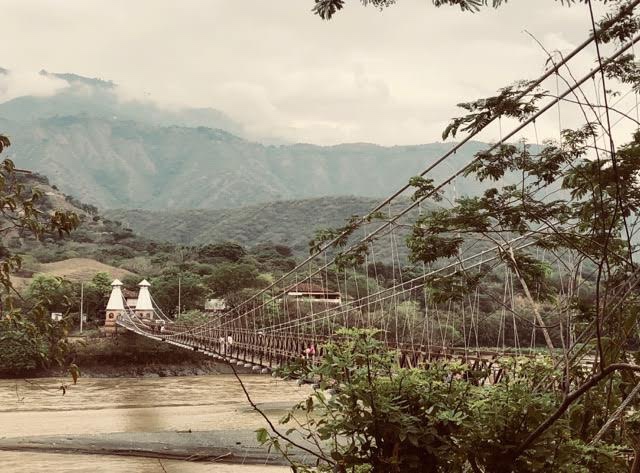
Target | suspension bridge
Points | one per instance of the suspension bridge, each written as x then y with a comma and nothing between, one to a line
340,284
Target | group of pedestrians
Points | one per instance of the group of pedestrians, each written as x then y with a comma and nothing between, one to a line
225,342
157,326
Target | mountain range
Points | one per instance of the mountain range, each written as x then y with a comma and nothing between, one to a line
114,153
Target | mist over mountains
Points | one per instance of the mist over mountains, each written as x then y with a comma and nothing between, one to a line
76,95
115,153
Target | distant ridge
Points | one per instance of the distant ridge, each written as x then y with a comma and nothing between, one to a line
290,223
113,163
70,78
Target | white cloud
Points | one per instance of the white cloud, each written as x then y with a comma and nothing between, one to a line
392,77
18,83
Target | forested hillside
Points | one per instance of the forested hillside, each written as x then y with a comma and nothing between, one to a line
292,222
96,239
110,249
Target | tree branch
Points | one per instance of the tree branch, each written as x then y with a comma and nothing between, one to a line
271,426
569,400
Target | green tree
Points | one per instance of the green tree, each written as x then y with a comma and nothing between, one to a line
96,293
28,336
54,293
219,252
30,339
192,318
380,418
274,257
228,277
190,286
102,282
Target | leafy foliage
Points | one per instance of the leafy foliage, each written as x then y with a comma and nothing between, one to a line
30,340
231,276
192,318
369,415
381,418
217,252
425,188
20,213
28,337
326,9
339,237
516,101
51,292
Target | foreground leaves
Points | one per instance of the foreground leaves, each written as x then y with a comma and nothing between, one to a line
369,415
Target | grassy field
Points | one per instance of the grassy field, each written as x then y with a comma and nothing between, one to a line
73,269
81,269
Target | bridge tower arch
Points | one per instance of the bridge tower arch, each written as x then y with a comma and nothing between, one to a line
115,308
144,307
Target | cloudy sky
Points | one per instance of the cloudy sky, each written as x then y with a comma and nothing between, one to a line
390,78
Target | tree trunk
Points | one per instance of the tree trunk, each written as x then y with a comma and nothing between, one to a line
635,468
616,415
534,307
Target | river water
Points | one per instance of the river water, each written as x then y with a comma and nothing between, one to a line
99,405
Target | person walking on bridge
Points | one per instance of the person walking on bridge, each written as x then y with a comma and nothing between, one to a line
310,351
229,342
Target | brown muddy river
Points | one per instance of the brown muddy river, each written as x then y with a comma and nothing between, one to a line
98,405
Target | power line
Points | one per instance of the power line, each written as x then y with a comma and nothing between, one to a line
625,10
448,180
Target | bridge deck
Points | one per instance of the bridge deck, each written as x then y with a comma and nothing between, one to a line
268,352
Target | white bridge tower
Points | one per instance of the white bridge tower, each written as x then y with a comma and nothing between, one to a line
115,308
144,307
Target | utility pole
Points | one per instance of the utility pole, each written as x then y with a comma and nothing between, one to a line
81,304
179,294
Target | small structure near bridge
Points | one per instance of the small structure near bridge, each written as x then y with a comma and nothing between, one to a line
215,305
130,297
313,292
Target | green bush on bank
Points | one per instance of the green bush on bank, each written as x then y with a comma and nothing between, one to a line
369,415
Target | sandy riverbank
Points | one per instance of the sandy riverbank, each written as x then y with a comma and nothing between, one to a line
224,446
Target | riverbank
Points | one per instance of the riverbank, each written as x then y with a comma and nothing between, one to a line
202,367
128,355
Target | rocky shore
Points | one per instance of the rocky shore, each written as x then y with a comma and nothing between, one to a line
129,356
